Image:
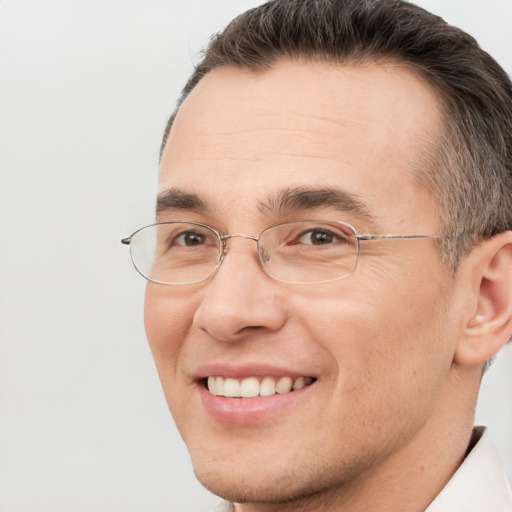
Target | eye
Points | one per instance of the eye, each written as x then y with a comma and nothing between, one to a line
319,236
178,236
189,239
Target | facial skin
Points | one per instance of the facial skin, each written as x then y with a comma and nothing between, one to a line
380,343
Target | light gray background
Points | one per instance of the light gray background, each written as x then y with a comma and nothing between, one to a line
85,90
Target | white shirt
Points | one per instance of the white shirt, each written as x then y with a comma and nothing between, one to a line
479,485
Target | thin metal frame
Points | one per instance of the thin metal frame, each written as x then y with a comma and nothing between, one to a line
223,238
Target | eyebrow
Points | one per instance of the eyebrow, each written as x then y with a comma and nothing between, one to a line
175,199
287,201
305,198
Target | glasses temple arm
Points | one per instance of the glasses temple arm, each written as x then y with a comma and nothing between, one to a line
384,237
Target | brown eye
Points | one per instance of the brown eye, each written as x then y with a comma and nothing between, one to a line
190,239
318,237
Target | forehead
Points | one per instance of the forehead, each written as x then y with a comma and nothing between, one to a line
361,128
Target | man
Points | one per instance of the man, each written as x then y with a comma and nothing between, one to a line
332,265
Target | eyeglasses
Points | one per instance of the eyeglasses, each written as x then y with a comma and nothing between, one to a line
296,252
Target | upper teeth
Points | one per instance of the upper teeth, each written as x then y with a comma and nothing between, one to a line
252,386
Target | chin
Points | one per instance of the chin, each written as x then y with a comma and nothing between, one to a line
253,483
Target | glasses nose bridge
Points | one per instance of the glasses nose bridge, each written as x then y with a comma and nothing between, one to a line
262,254
225,238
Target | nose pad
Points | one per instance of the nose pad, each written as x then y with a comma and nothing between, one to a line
224,250
264,255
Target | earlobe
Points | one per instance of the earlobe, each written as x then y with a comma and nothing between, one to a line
488,325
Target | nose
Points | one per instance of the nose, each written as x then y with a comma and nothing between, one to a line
240,298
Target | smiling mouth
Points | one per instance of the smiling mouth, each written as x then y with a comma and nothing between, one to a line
253,386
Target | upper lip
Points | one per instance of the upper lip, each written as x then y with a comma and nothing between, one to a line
247,370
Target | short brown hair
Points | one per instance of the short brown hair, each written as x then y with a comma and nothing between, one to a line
469,170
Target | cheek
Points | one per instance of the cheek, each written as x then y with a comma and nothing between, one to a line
167,319
382,343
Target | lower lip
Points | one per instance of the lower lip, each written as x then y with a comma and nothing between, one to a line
245,411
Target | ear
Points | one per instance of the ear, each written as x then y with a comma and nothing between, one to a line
488,322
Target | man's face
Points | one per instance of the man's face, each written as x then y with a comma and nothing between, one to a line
377,345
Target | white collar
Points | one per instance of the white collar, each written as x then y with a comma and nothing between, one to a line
479,484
